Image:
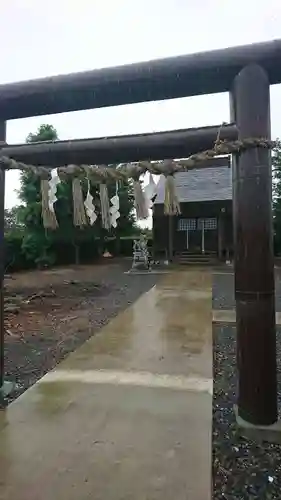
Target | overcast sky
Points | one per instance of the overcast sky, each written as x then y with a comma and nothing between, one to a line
59,36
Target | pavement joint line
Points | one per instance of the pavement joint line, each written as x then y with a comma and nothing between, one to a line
192,383
224,273
229,316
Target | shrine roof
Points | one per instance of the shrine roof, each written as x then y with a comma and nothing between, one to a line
204,184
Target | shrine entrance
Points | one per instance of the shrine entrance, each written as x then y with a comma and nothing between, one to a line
246,72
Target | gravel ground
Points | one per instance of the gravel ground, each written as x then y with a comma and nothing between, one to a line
46,330
242,469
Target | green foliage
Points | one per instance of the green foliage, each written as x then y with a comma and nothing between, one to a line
38,244
11,219
15,259
276,164
13,237
44,133
147,232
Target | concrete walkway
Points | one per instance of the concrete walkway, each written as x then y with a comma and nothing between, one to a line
126,417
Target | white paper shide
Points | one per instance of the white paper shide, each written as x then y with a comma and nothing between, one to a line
114,209
53,185
90,207
150,191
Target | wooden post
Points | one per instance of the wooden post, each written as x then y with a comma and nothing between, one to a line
220,235
2,255
170,238
254,263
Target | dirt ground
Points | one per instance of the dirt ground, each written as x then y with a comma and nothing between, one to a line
50,313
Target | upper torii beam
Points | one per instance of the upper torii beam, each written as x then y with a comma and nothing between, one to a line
188,75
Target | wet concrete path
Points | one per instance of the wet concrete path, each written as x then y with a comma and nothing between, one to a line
129,414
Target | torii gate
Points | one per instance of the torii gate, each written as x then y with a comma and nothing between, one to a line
246,72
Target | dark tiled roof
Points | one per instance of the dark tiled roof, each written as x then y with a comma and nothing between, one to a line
205,184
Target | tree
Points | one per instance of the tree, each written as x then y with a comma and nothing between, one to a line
36,241
276,164
39,244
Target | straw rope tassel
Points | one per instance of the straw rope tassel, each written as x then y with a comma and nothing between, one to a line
79,216
105,207
171,202
140,200
48,216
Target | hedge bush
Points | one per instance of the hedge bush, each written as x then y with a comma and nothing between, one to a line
61,253
15,260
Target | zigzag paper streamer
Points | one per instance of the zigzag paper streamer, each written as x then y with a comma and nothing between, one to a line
150,190
53,186
90,207
114,209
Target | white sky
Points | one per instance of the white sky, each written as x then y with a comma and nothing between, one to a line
59,36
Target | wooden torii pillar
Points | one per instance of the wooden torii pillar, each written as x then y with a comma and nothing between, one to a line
2,252
254,261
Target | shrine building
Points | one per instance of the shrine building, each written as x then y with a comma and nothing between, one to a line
204,226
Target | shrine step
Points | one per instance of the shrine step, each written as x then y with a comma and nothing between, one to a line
196,259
